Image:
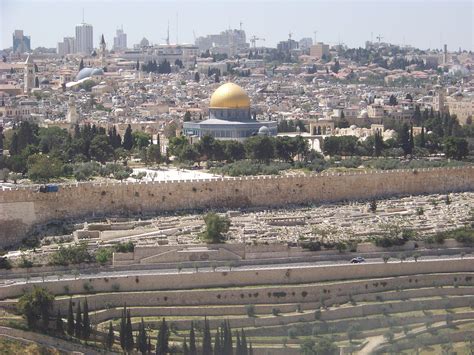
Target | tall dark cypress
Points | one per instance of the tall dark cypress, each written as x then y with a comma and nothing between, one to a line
192,341
142,338
86,330
185,347
128,138
110,337
78,328
59,324
123,327
70,319
238,345
206,339
128,333
217,343
250,349
243,343
162,343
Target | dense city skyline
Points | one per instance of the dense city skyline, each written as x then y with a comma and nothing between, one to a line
426,24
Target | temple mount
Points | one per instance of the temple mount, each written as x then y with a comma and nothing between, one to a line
230,117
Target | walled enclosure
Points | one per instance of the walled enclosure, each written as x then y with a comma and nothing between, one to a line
24,208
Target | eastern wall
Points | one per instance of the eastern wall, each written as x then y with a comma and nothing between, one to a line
22,209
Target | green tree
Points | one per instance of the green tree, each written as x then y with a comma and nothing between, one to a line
14,145
187,116
128,138
36,305
206,147
141,139
185,347
197,77
101,149
234,150
42,168
455,148
215,227
260,148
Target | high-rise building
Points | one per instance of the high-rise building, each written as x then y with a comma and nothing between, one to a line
319,50
67,46
84,38
21,43
120,40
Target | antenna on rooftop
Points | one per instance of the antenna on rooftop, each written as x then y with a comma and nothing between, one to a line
168,34
241,25
315,33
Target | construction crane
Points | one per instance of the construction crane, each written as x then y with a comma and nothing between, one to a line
254,40
379,37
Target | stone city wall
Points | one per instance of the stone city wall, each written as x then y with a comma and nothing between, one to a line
21,209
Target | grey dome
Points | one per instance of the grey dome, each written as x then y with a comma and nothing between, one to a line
263,131
87,72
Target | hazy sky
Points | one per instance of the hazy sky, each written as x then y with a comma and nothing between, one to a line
424,24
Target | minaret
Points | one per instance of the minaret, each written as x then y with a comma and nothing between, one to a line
29,75
72,116
102,49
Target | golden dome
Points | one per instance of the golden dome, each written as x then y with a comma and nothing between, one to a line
229,95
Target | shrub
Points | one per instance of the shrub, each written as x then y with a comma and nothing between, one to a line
25,263
312,246
127,247
250,308
73,254
115,287
103,255
5,263
35,305
275,311
292,333
87,287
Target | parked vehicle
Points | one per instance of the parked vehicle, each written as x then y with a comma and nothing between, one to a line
357,260
49,188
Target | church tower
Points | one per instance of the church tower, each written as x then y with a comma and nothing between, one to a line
102,50
29,75
72,116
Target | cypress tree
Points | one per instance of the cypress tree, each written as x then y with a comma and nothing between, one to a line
128,333
59,324
250,349
238,345
142,345
206,339
422,137
185,347
123,327
128,139
244,349
110,337
86,331
70,319
81,65
14,145
149,345
162,343
217,343
192,341
412,141
78,328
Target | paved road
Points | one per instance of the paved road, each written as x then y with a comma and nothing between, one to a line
111,273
